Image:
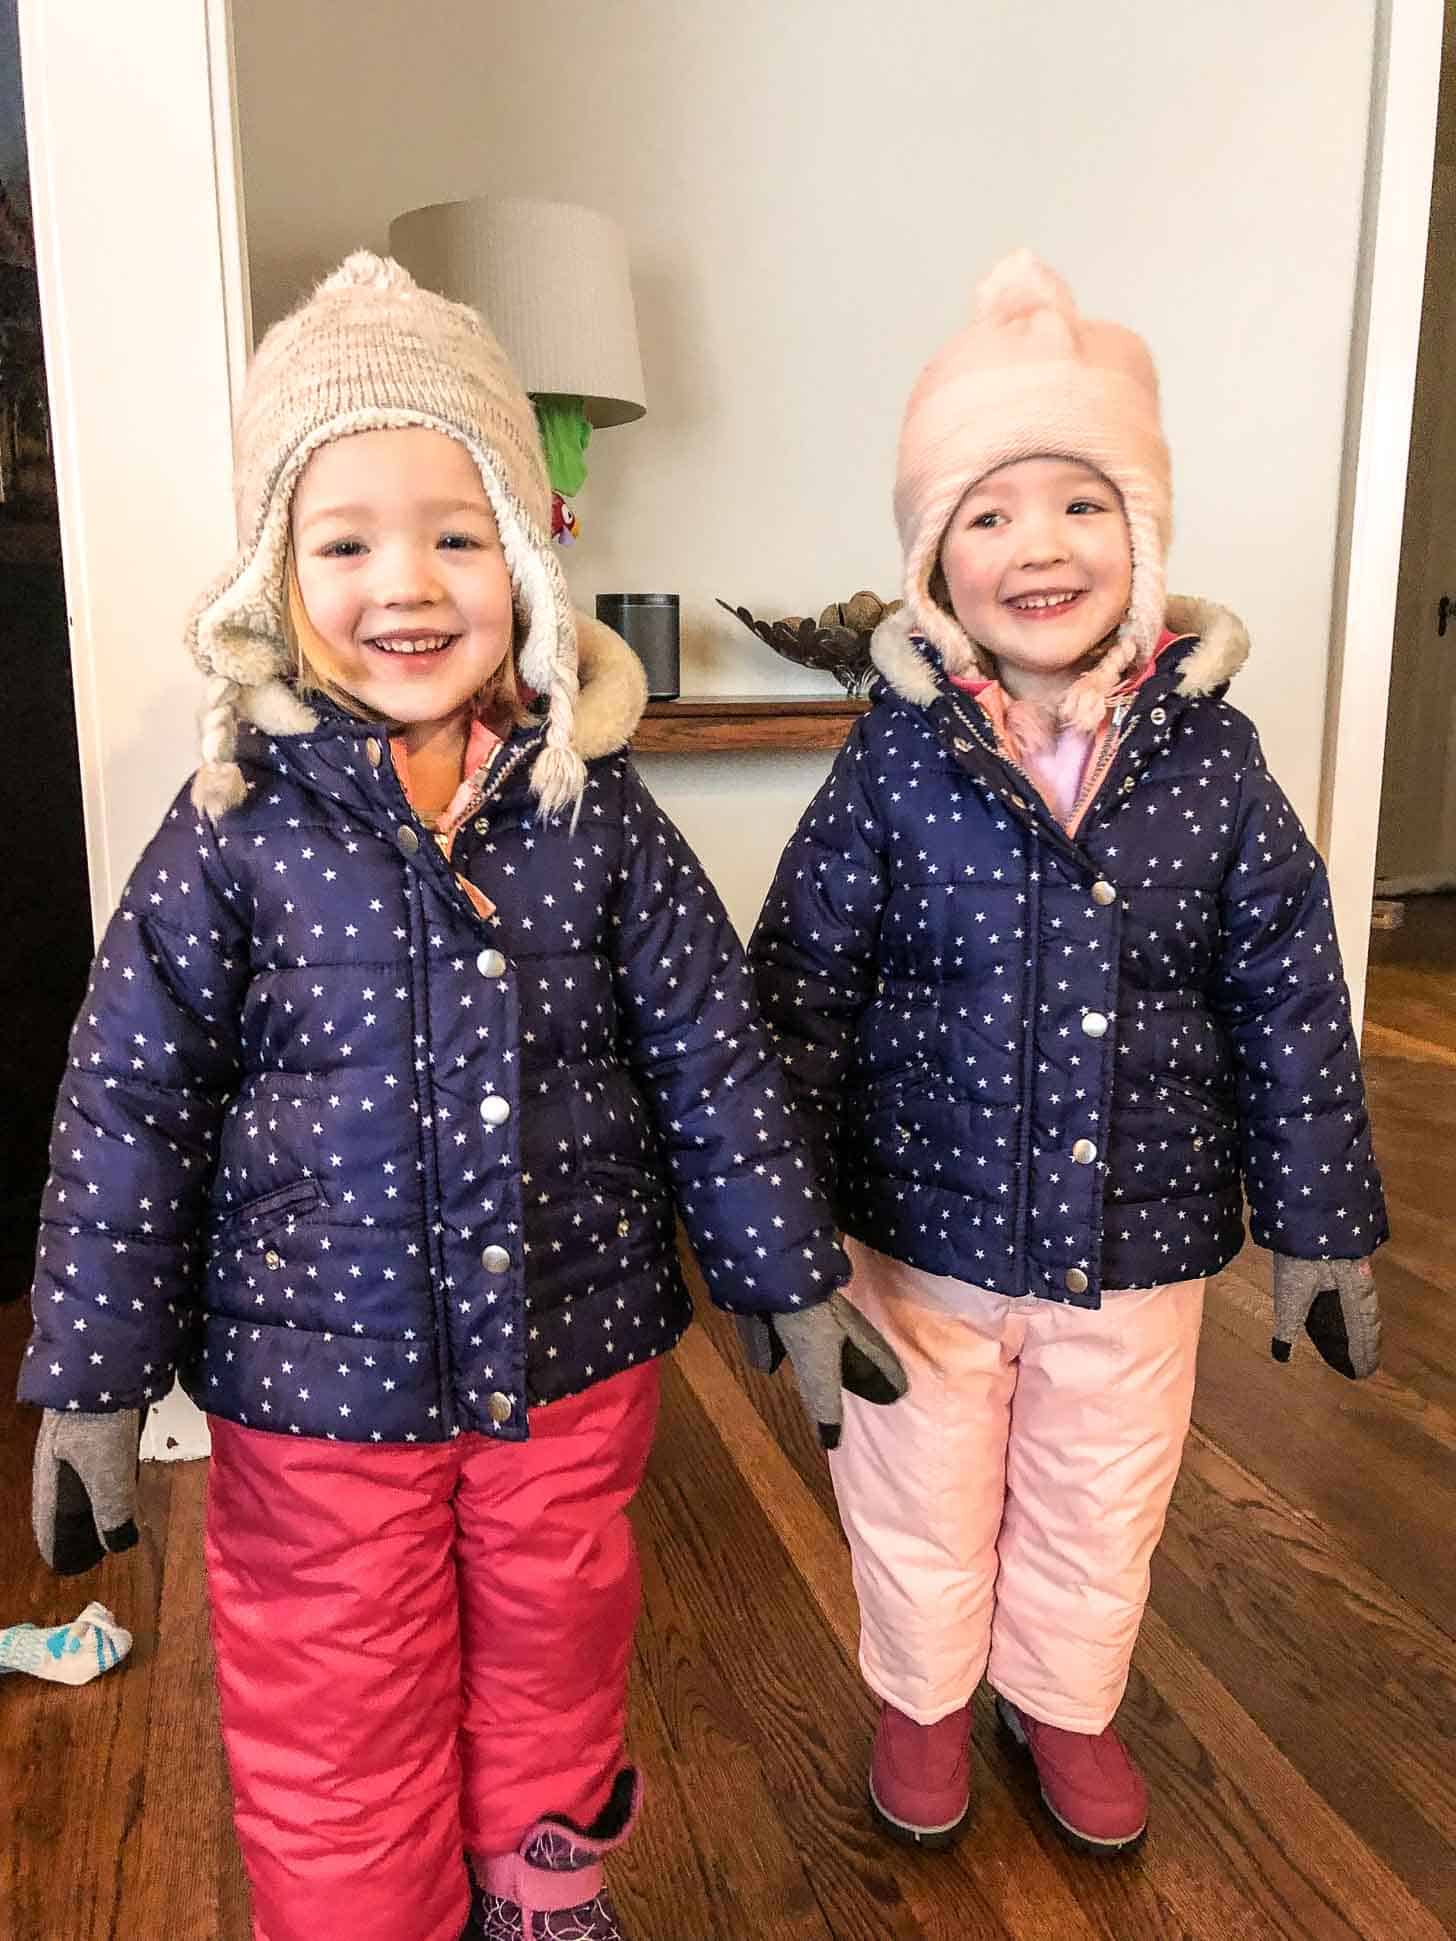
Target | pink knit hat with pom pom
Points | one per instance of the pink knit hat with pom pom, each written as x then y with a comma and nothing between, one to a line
1031,377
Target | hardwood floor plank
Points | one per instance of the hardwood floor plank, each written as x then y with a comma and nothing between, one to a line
1389,1041
798,1702
1338,1453
1324,1657
182,1866
1294,1859
73,1759
751,1876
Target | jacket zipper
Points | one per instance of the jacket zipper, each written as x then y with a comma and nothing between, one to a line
497,773
1112,746
1098,772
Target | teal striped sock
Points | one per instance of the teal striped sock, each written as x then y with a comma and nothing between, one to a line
68,1654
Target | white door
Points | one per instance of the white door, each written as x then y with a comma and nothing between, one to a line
1417,846
138,232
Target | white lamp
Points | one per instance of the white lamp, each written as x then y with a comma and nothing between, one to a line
551,280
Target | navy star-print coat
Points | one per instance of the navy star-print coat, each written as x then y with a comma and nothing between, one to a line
1055,1066
360,1163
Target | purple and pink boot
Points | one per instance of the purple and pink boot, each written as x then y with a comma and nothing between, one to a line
551,1887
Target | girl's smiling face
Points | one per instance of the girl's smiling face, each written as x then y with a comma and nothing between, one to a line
1038,565
401,572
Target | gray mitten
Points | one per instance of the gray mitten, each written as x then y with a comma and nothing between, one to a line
832,1348
83,1499
1335,1302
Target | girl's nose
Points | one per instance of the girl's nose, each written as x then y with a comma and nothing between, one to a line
1043,545
406,576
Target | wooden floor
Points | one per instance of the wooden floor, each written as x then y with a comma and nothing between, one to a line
1293,1699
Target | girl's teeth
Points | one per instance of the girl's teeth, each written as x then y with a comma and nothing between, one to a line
413,646
1046,600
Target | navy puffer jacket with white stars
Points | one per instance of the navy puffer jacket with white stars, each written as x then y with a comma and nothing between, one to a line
360,1163
1053,1065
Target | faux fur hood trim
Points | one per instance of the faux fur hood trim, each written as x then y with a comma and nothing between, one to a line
1223,646
613,690
611,696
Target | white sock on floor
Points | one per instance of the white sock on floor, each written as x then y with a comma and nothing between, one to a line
68,1654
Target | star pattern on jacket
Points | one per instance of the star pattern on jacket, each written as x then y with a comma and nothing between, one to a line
1056,1067
362,1163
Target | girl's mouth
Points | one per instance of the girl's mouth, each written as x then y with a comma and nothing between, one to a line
1045,606
423,647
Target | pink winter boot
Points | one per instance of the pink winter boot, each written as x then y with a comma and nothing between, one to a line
1089,1784
550,1888
920,1777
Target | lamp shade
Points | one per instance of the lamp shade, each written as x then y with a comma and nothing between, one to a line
551,280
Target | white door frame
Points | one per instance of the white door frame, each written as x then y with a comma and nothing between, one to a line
135,189
1406,76
137,203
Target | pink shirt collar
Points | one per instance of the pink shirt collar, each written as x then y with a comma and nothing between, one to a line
992,696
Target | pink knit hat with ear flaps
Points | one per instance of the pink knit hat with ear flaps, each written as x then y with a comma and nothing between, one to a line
371,350
1031,377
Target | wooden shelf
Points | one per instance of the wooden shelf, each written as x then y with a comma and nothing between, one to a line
729,724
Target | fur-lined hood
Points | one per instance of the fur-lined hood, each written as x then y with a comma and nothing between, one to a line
913,670
611,696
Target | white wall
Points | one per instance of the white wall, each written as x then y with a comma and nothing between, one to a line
810,192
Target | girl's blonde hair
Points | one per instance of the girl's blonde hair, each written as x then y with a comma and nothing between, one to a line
502,702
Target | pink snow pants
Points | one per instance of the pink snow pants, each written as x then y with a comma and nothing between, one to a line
1003,1515
421,1649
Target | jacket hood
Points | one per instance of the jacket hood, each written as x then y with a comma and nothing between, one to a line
611,695
907,663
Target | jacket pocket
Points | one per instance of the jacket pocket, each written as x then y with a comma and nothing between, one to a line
902,1124
277,1211
629,1207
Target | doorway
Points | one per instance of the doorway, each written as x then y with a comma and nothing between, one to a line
47,945
1413,946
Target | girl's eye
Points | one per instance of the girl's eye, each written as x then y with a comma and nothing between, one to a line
1085,505
986,520
342,549
459,542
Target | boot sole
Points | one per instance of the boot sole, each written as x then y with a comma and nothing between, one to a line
937,1839
1074,1837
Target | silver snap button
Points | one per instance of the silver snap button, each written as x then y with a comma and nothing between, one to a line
481,825
1128,786
961,745
500,1407
1018,801
494,1109
408,838
1158,717
1104,894
624,1227
1198,1145
1077,1281
272,1258
375,751
490,963
1084,1152
495,1260
1095,1025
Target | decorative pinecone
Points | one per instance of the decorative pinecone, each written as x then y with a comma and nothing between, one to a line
839,644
